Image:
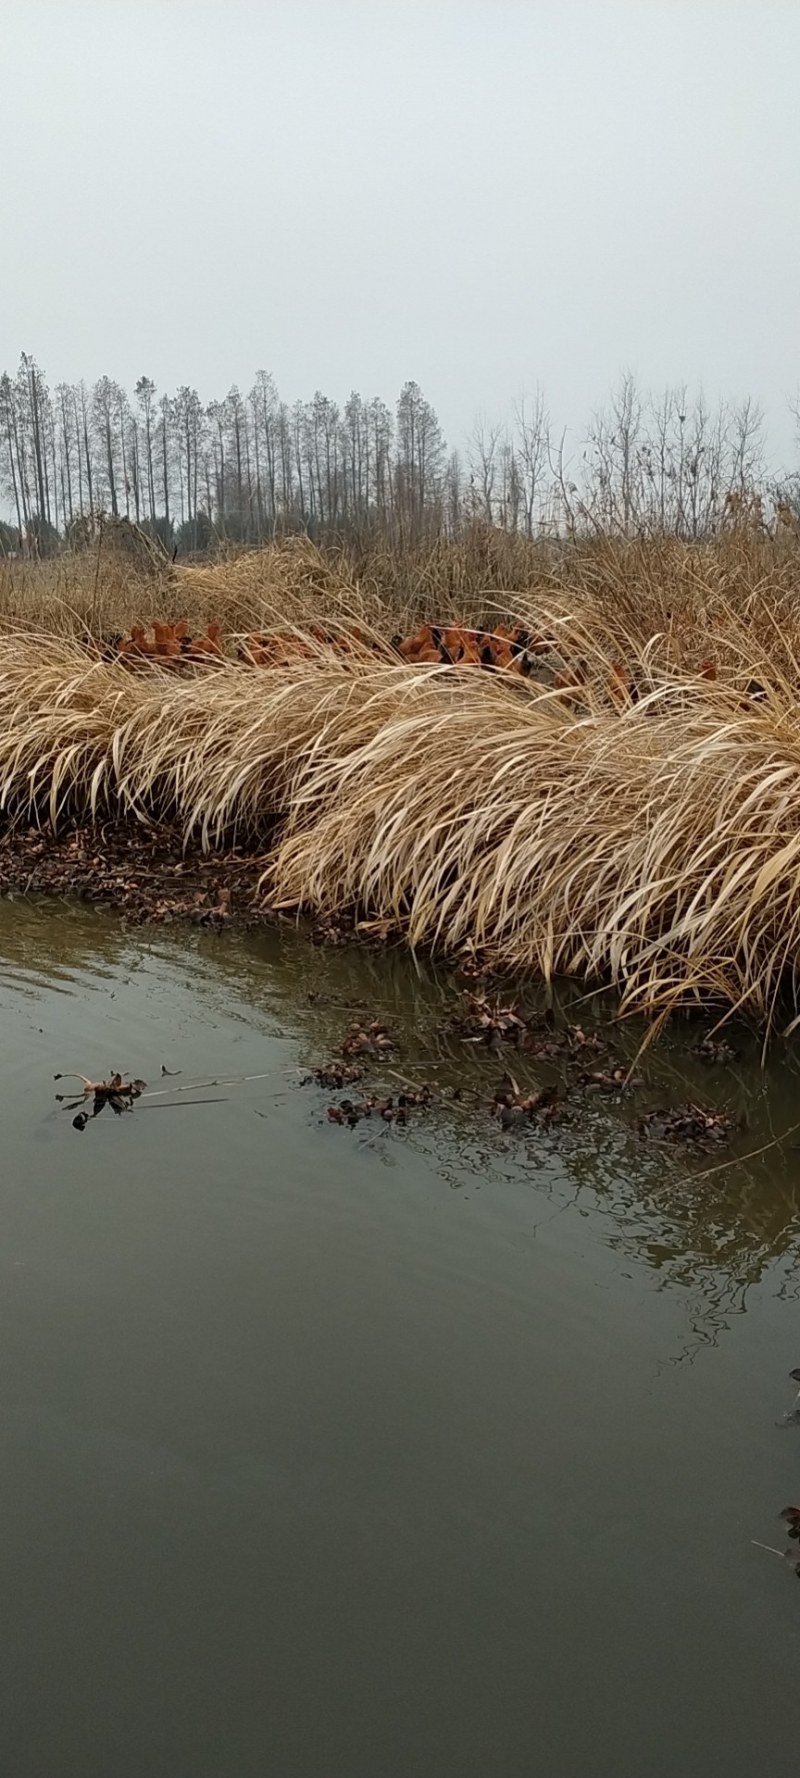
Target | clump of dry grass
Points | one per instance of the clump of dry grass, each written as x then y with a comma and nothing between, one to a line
655,845
659,849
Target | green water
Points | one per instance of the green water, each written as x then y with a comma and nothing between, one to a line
374,1453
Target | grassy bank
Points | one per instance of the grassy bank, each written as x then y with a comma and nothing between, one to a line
650,838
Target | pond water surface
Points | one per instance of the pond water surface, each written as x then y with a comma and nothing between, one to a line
381,1453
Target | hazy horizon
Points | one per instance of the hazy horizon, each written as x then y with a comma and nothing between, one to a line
480,197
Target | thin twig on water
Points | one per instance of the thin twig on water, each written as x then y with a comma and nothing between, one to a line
187,1106
739,1159
199,1085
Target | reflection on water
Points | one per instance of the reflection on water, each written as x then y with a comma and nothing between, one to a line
378,1451
715,1237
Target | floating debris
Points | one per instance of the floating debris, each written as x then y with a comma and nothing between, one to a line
116,1092
584,1041
121,1094
393,1110
493,1024
792,1415
613,1080
716,1050
336,1074
515,1109
367,1040
483,1021
550,1048
331,930
791,1516
790,1556
474,968
791,1519
688,1123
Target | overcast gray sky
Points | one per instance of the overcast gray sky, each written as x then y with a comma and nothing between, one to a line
479,194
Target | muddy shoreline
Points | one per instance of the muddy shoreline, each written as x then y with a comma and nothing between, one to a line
143,874
146,877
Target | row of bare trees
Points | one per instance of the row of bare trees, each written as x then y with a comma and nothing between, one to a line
240,468
250,465
646,466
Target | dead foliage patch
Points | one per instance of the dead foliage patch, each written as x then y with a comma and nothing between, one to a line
392,1110
516,1109
696,1125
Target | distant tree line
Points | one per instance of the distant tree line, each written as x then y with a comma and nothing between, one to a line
251,466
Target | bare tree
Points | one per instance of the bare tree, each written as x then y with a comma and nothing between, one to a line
265,407
381,442
611,495
483,448
747,446
355,454
81,404
453,501
68,449
35,402
419,461
105,415
13,478
532,453
165,429
145,397
511,487
188,419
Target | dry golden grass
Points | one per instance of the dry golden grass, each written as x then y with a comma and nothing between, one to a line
655,844
740,589
658,848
